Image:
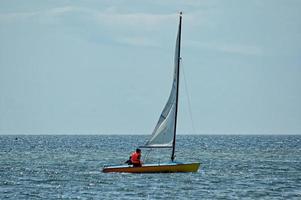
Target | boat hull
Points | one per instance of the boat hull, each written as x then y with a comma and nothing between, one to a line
154,168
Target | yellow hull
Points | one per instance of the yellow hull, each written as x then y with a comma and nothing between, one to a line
154,168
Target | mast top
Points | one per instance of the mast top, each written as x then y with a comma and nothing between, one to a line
181,13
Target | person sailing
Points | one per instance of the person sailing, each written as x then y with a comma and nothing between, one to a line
135,159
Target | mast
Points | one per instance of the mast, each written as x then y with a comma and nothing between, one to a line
177,94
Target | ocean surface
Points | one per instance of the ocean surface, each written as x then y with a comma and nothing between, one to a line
69,167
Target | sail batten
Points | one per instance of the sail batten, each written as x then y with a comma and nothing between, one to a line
163,135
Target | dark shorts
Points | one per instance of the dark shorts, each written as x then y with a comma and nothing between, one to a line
137,165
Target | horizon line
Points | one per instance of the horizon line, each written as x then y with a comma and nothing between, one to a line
142,134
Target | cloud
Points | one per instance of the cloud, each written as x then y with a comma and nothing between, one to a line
146,21
107,16
138,28
241,49
138,41
15,16
130,28
62,10
134,29
21,16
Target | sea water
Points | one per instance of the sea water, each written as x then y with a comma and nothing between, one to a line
69,167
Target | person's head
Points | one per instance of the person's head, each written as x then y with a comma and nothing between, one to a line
138,150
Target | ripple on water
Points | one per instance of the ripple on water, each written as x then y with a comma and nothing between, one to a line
233,167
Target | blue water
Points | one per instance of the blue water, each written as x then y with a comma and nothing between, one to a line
69,167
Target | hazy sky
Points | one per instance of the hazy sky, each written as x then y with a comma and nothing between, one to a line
106,68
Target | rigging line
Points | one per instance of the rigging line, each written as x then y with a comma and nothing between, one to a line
188,98
146,155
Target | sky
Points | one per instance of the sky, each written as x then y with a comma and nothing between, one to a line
105,67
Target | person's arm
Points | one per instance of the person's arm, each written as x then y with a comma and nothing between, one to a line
139,158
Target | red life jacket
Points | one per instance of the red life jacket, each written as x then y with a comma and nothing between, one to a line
135,158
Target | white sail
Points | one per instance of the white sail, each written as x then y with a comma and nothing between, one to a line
163,133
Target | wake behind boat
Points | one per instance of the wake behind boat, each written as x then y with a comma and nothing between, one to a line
164,134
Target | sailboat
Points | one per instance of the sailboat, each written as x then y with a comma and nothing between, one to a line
164,134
